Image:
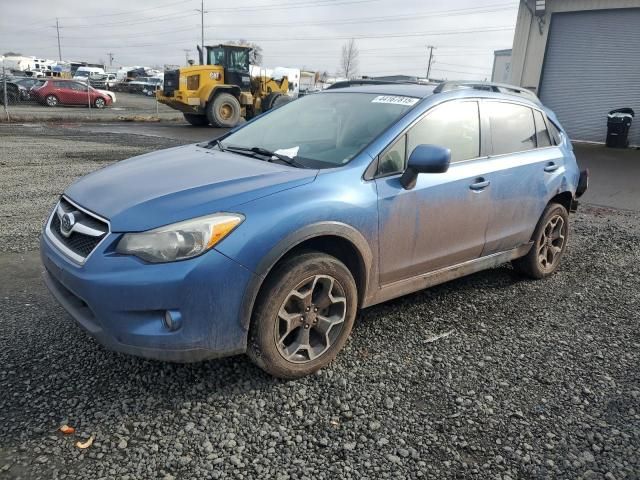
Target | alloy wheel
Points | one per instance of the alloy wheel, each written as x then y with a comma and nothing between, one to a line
310,319
551,242
52,101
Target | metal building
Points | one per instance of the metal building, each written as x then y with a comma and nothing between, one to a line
501,71
582,58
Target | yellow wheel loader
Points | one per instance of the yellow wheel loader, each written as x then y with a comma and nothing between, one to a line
220,91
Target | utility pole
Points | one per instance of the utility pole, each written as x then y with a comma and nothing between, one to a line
58,30
4,93
110,58
202,12
430,47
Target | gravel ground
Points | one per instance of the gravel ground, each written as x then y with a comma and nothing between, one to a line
532,379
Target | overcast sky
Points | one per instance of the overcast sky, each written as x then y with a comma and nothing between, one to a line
392,35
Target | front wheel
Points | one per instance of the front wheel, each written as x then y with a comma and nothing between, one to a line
549,243
99,103
303,315
224,111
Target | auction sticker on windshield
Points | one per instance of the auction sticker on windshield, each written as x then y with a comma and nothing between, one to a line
395,99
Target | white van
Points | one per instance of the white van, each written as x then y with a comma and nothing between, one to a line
84,73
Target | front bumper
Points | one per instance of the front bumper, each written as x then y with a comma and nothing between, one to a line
182,103
121,301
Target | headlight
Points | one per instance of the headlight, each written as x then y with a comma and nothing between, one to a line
181,240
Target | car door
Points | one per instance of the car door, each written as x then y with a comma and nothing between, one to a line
78,93
527,165
60,90
442,220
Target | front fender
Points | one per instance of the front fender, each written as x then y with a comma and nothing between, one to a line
294,239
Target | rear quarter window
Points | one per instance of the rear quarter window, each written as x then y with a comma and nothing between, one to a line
554,131
544,140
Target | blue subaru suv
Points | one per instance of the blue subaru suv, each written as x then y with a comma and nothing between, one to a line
268,240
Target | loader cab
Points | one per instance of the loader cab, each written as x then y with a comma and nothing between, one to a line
235,61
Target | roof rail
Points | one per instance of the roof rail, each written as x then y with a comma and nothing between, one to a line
448,86
371,81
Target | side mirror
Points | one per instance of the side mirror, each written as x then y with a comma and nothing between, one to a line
425,159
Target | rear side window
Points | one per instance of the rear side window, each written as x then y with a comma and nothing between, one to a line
541,130
455,125
512,127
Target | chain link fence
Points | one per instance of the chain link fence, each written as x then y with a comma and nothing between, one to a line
26,98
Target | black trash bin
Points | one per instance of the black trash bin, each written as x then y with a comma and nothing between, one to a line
618,125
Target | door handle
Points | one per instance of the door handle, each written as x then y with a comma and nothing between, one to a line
551,167
479,185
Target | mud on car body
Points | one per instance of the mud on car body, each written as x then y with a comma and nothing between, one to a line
268,240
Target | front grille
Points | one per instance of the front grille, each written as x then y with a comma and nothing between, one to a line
86,233
171,82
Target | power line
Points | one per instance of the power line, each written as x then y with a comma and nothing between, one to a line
326,38
355,20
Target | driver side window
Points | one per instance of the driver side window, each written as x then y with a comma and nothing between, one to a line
454,125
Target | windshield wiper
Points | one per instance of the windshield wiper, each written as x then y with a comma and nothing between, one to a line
266,153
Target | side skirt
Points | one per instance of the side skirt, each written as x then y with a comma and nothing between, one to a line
420,282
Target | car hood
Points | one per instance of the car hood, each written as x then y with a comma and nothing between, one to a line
179,183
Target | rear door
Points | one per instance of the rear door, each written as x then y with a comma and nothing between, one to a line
527,168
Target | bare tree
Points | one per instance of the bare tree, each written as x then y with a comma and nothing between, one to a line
349,61
255,57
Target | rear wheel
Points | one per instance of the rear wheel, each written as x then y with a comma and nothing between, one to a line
196,120
274,100
224,111
51,100
303,315
549,243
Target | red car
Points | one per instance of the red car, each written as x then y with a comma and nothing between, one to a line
67,92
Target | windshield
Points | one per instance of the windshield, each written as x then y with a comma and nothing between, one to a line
323,130
216,56
82,73
239,60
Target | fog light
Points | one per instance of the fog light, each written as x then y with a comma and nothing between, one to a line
172,319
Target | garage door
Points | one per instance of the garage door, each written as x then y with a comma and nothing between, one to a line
592,65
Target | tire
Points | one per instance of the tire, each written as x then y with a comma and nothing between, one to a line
51,101
296,290
281,100
270,100
12,98
99,102
549,244
196,120
224,111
